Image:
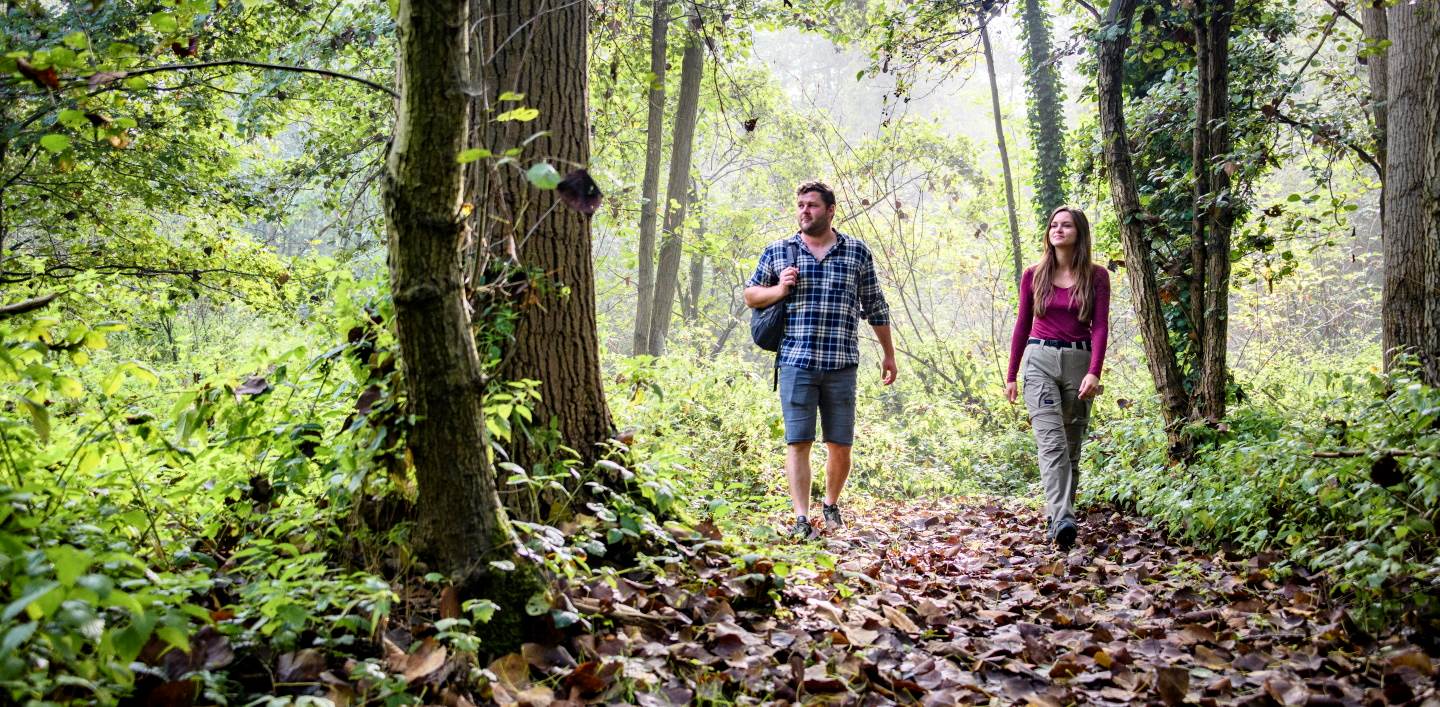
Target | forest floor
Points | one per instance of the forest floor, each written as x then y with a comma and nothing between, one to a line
945,602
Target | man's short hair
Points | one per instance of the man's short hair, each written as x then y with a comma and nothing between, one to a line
820,188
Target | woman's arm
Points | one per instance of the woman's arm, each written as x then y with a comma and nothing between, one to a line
1024,318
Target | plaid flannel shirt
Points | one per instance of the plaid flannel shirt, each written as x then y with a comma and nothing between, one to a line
827,302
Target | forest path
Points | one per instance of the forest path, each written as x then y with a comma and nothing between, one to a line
965,602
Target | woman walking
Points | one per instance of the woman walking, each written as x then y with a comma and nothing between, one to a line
1061,331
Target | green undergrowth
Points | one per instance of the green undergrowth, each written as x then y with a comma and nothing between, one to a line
716,422
1334,469
231,524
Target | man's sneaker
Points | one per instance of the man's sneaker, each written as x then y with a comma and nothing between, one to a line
1065,532
832,516
803,530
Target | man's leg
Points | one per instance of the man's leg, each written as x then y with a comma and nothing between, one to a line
799,393
797,470
837,419
837,470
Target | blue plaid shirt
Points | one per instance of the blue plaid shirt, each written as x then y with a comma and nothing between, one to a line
826,303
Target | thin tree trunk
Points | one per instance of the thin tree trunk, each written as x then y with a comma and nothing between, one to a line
1214,217
1377,66
1139,266
461,525
696,281
677,196
539,51
1044,111
650,187
1004,153
1412,232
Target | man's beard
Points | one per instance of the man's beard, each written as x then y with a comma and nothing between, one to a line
817,227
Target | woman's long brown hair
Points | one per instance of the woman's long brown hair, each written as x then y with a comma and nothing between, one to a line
1082,294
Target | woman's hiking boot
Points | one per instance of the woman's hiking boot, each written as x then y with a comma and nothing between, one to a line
803,530
1065,532
831,513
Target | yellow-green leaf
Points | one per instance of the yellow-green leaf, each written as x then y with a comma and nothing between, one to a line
39,418
55,142
519,114
473,154
68,387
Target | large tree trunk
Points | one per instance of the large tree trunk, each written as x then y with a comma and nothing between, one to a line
1214,215
677,190
1139,266
1410,315
1044,111
650,187
538,49
461,525
1004,153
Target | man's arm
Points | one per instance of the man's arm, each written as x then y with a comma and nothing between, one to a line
888,371
760,296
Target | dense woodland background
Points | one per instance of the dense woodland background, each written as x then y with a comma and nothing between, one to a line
326,320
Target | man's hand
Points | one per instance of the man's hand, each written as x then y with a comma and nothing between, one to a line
888,370
1090,386
789,276
1011,390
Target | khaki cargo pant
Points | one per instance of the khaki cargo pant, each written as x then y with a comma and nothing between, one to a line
1059,418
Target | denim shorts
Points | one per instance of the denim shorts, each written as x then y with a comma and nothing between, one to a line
832,393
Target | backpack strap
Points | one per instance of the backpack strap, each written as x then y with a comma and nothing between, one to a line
794,261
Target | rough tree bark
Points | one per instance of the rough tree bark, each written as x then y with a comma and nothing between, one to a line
1139,265
677,190
538,49
650,186
1410,317
1004,153
461,525
1214,217
1043,110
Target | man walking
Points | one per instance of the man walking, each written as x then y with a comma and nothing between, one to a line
830,280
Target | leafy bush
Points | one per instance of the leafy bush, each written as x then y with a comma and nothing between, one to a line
1337,471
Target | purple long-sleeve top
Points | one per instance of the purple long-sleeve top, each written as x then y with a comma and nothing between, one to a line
1061,321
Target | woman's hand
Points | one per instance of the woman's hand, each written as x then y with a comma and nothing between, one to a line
1090,386
1010,391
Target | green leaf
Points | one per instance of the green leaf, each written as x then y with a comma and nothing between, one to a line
76,40
175,636
137,83
33,596
542,175
563,618
164,22
537,604
39,418
473,154
69,563
73,119
482,609
520,114
129,640
55,142
512,96
16,636
69,387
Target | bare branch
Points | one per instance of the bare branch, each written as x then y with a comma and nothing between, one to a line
29,305
259,65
